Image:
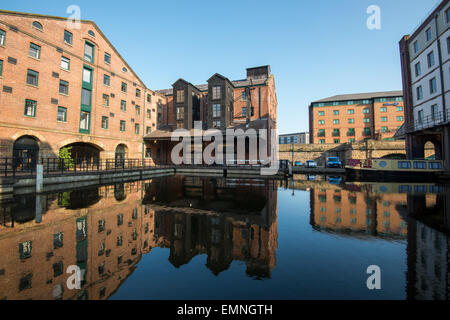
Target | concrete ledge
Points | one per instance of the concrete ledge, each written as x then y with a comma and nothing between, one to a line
319,170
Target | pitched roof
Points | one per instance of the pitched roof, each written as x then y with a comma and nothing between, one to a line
35,15
362,96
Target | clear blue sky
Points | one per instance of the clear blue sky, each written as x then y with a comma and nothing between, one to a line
315,48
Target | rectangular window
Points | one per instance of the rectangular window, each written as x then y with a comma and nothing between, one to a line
434,112
384,119
84,120
448,45
351,132
336,121
321,113
420,165
104,122
68,37
122,125
243,96
366,110
351,121
216,124
399,118
106,100
35,51
123,105
180,113
322,141
2,37
61,115
85,97
149,114
367,132
87,75
433,85
138,93
124,87
65,63
352,140
321,133
148,130
428,34
416,46
138,110
419,92
89,52
321,122
180,96
337,141
107,58
383,109
384,129
417,69
366,120
447,15
106,80
1,68
216,110
420,116
399,108
63,87
351,111
30,108
136,128
430,58
216,92
404,165
336,133
32,77
336,112
149,98
244,111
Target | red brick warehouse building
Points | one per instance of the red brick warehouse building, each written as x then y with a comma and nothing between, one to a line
356,117
220,103
62,86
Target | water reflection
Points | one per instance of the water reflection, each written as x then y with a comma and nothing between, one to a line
107,230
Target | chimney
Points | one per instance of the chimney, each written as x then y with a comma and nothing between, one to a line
258,72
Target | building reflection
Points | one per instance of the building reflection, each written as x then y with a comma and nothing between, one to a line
418,214
106,230
225,219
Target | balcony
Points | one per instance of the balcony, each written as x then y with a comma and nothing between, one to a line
430,121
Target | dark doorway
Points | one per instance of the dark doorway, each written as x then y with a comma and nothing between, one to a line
84,152
121,154
25,153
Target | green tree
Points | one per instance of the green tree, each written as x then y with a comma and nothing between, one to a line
65,155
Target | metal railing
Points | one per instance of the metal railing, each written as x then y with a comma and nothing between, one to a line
437,119
13,167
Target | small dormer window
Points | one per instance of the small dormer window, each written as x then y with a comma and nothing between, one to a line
37,25
124,69
91,33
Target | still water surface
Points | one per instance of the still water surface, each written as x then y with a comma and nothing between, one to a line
212,238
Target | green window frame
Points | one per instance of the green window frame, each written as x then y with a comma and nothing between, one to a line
149,114
1,68
351,132
384,119
321,133
336,112
383,109
2,37
63,87
32,77
321,113
85,121
124,87
138,93
122,126
336,121
351,120
138,110
136,128
400,108
351,111
367,131
34,51
366,120
65,62
61,115
105,100
337,141
384,129
366,110
321,122
322,141
400,118
30,108
107,58
89,56
86,100
123,105
68,37
104,122
106,80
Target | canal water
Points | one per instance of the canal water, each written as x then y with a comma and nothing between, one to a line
183,237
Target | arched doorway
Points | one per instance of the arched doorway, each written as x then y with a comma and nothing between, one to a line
83,151
121,154
25,152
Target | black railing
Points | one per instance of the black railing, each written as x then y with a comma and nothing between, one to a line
433,120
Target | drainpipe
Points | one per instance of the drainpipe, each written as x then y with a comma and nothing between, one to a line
144,109
441,71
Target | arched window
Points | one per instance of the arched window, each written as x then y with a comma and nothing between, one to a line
91,33
37,25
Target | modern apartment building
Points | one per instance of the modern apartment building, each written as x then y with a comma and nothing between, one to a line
68,86
425,58
356,117
221,104
294,138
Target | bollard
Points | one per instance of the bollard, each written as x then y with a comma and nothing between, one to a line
39,178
